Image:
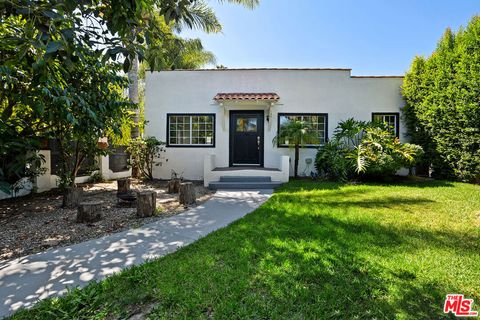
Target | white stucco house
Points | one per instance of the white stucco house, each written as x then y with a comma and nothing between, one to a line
220,123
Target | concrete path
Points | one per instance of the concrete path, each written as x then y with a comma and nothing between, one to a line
23,281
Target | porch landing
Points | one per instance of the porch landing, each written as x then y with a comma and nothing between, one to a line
244,183
217,177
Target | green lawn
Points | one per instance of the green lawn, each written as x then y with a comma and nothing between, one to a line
314,250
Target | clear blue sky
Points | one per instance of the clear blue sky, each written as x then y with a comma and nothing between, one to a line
373,37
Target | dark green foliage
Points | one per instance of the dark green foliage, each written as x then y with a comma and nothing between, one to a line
18,159
55,84
331,162
59,68
364,149
442,111
47,95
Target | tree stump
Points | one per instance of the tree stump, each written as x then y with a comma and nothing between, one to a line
89,212
173,186
146,203
186,194
123,185
72,197
123,191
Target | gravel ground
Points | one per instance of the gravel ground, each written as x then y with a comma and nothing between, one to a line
37,222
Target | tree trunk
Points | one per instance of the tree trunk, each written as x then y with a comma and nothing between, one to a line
72,197
297,155
89,212
186,194
146,203
123,185
133,95
173,186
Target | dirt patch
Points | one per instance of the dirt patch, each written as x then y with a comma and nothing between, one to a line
37,222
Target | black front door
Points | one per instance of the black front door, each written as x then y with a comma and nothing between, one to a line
246,138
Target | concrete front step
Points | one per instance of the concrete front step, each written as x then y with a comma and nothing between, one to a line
244,185
245,179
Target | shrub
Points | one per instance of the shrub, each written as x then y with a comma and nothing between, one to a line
144,153
331,162
379,153
361,149
96,177
442,110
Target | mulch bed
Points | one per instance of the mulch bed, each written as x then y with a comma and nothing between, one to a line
37,222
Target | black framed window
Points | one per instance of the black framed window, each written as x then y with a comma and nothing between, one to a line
318,121
392,119
191,130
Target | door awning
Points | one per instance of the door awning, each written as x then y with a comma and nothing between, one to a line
247,97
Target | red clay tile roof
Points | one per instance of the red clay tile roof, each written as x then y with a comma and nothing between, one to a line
246,96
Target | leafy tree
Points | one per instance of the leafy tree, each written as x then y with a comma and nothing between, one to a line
119,29
95,105
59,66
168,51
296,134
56,86
442,110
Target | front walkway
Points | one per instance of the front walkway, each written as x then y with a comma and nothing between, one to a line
23,281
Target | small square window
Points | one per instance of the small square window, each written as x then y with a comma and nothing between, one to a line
391,119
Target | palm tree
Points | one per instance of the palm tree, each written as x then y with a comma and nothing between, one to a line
296,134
193,15
190,54
133,95
172,52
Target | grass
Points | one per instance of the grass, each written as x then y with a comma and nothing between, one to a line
313,251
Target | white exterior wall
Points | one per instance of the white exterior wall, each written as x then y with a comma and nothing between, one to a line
333,92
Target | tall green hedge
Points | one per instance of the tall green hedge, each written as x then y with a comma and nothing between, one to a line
442,111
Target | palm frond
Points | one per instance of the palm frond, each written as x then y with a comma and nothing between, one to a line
195,56
169,51
200,16
250,4
361,161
